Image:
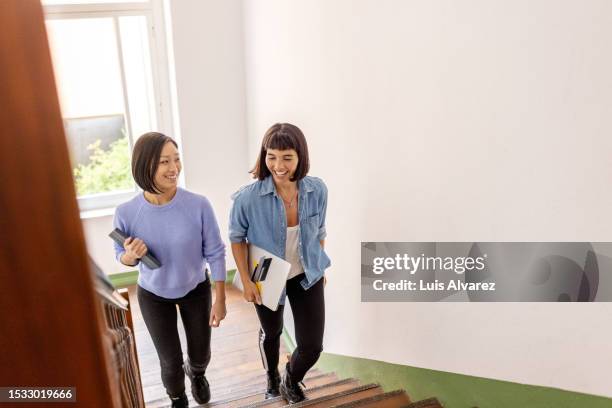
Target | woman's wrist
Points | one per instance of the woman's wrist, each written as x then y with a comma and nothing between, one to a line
220,291
244,278
128,260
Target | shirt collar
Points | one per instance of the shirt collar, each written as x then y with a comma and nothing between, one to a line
267,186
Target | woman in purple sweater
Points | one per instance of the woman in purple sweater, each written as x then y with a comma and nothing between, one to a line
180,229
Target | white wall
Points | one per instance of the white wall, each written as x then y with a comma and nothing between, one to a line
209,63
482,120
207,40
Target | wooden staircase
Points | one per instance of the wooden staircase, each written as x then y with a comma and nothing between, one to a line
321,389
237,378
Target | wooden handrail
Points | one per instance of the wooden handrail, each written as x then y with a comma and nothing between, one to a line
105,288
120,332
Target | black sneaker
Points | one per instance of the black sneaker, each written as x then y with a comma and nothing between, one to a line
273,383
199,385
290,390
180,402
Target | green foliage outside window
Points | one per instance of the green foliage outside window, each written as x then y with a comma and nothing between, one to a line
107,170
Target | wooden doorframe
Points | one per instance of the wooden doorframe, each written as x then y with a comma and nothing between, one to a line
50,320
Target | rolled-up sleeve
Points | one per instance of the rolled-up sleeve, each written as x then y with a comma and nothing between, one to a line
238,222
213,248
322,212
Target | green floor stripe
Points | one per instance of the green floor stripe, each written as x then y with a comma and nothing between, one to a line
456,390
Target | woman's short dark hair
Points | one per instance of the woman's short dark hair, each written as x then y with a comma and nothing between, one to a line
145,159
283,136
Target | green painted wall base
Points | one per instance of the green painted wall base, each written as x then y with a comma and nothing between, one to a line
124,279
456,390
230,276
288,341
452,390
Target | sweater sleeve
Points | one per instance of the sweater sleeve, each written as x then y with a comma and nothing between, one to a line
213,248
119,222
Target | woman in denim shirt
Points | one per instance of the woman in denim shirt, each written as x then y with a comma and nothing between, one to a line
283,212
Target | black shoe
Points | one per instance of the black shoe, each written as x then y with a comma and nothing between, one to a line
199,385
180,402
273,383
290,390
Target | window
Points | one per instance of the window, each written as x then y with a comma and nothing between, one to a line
110,66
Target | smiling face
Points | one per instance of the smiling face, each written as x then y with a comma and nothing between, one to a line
169,168
283,150
282,164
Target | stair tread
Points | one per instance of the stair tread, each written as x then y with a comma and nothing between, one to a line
314,393
377,399
346,396
426,403
255,394
259,385
224,392
326,400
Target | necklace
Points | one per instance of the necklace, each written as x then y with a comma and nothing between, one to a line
292,202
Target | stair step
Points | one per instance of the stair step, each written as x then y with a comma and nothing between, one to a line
227,384
313,394
426,403
341,397
392,399
256,395
258,386
250,386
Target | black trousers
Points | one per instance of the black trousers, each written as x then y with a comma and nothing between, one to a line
308,307
159,315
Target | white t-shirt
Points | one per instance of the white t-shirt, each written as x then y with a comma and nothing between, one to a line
292,255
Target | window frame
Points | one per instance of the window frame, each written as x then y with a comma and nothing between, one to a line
152,11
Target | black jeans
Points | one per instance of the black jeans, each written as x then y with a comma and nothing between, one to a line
159,315
308,307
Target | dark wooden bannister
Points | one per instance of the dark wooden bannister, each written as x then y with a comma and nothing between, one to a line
119,338
56,328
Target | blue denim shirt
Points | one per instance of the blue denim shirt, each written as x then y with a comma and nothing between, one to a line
258,217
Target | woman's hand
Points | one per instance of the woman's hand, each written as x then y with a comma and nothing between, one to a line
135,249
249,289
217,313
250,292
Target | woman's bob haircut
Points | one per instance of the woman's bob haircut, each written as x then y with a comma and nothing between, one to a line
145,159
283,136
